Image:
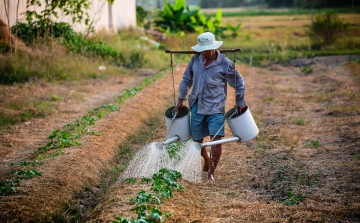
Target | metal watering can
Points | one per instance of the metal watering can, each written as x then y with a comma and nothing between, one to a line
243,126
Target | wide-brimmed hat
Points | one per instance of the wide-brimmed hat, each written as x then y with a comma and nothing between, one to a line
206,41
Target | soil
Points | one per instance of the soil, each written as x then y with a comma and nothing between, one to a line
304,166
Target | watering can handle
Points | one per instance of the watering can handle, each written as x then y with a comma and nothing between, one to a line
175,112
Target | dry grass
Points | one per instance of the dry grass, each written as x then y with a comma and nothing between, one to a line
80,166
253,180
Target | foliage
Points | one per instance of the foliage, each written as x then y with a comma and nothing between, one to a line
312,143
21,174
61,139
28,163
327,28
234,29
71,133
76,9
292,199
306,69
290,11
8,187
174,148
179,18
299,121
146,204
141,14
130,180
308,3
220,3
78,44
29,32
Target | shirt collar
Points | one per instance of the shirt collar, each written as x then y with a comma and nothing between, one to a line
218,59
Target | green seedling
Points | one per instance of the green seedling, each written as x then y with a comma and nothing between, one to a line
146,204
55,97
130,180
173,149
28,163
8,187
21,174
306,69
312,143
292,199
298,121
145,180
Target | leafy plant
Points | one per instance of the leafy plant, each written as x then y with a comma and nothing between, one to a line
31,31
312,143
61,139
298,121
130,180
141,14
234,29
21,174
306,69
179,18
28,163
327,28
174,148
147,209
8,187
293,199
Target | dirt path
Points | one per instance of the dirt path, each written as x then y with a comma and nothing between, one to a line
307,152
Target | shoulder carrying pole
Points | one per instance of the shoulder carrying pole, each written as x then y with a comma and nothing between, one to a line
194,52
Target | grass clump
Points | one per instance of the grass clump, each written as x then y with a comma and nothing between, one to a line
312,143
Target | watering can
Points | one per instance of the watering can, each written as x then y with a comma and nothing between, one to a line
242,126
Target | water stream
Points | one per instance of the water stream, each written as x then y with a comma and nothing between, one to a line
154,156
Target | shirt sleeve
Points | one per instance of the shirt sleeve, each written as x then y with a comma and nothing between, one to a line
187,80
237,82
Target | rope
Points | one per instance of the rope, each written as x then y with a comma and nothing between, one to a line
173,79
234,61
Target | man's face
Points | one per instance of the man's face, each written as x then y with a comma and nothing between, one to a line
207,54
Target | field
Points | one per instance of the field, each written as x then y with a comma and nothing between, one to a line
62,164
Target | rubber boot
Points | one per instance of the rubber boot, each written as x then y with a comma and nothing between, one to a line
206,157
215,155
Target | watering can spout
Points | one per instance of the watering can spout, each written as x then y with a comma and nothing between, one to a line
218,142
171,140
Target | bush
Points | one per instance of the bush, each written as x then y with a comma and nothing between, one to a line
29,32
141,14
12,70
327,28
178,18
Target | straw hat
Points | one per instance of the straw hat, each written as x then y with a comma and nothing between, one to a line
206,41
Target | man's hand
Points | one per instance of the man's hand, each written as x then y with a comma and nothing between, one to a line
179,105
241,109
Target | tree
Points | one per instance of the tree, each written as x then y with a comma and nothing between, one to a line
327,28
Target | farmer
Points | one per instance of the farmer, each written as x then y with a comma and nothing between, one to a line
208,74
